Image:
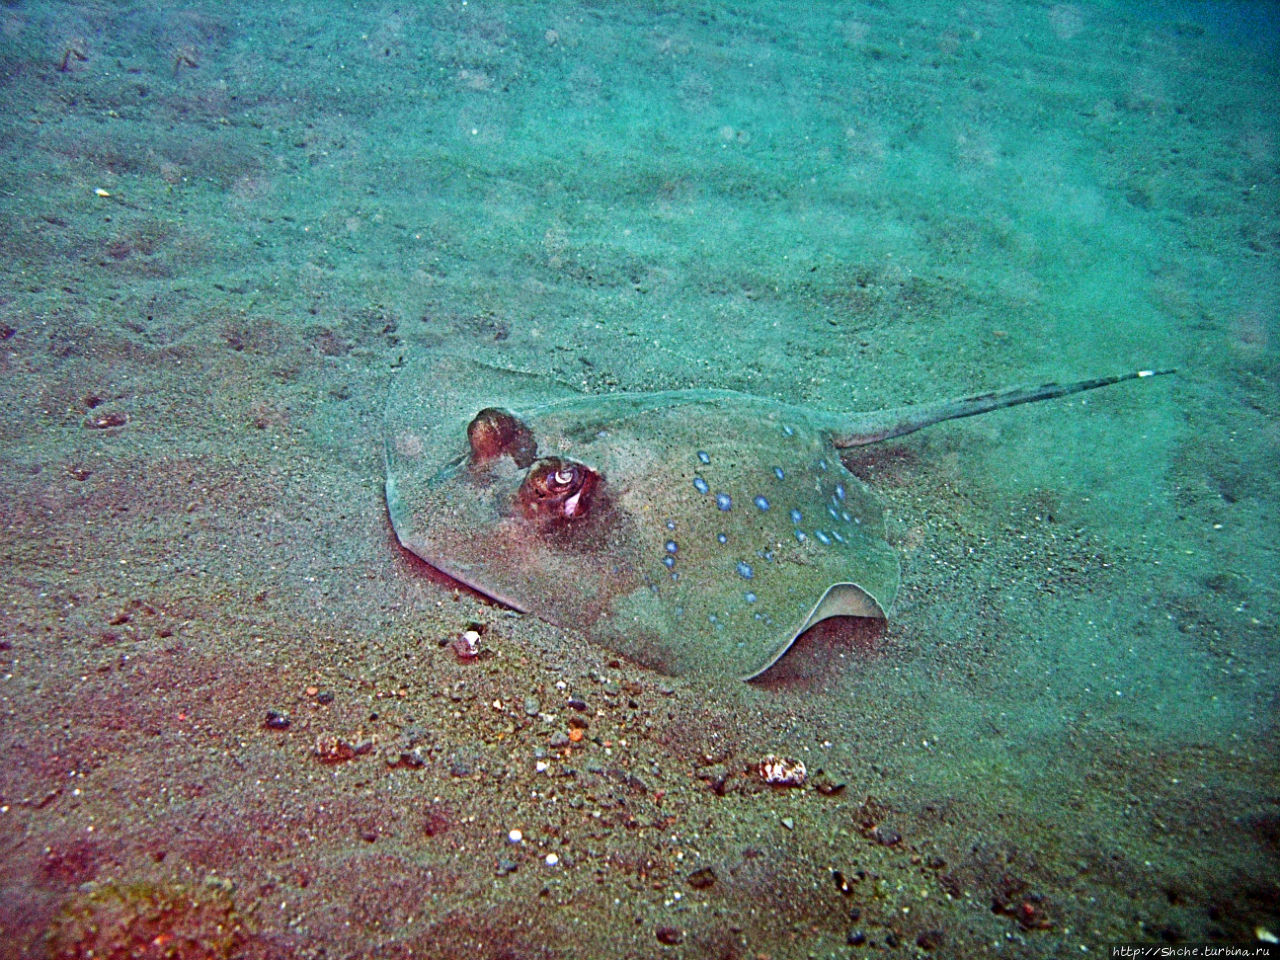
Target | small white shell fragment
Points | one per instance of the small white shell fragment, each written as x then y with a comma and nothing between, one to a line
102,193
551,860
515,836
782,771
466,646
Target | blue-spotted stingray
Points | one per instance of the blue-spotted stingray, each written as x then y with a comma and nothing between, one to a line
693,531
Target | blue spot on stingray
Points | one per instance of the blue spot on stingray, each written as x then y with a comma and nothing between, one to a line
836,534
671,524
668,561
704,456
700,485
835,514
724,501
713,618
672,547
777,472
761,502
722,538
788,430
800,536
796,516
744,570
839,491
751,597
822,537
822,464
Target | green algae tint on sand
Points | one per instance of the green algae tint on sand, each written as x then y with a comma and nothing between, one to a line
694,531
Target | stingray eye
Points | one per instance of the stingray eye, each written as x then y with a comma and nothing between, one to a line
495,432
558,489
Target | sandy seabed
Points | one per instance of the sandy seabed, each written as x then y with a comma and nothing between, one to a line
232,722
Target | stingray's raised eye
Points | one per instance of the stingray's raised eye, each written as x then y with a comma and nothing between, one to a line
495,432
558,489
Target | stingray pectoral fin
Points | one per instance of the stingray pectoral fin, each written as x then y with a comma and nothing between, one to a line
840,600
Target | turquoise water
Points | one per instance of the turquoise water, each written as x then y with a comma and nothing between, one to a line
235,722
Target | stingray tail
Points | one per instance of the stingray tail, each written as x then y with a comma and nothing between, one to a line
886,424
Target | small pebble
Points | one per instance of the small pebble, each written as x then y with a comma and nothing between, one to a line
702,878
558,739
276,720
788,823
466,646
855,938
669,935
531,706
410,759
515,836
505,866
930,939
551,860
782,771
106,421
887,836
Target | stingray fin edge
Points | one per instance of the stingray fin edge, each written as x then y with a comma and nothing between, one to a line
840,600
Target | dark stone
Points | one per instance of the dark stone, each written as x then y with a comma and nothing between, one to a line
823,783
276,720
334,750
887,836
930,939
106,421
702,878
669,935
504,867
951,885
855,938
409,759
